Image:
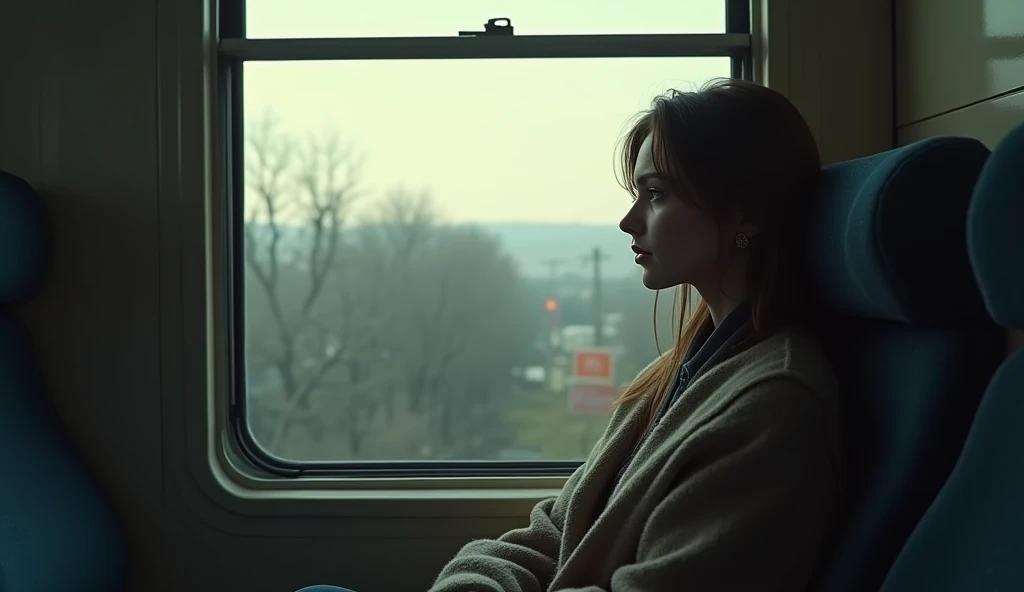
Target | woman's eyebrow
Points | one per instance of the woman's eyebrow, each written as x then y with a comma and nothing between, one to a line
646,177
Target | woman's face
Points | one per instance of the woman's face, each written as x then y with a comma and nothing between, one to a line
675,241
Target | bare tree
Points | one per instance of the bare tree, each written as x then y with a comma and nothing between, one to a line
300,196
463,329
451,312
349,320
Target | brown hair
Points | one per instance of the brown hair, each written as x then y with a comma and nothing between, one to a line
731,146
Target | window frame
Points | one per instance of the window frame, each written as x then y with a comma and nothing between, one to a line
233,49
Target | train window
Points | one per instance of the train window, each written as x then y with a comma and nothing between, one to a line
428,273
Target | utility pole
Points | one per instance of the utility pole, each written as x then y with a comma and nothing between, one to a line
595,259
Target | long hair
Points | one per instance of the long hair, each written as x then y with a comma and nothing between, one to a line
731,146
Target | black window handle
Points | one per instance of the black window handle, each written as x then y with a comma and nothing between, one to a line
494,26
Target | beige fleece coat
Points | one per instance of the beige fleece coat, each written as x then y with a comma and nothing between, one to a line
735,490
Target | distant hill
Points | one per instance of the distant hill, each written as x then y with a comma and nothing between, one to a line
533,243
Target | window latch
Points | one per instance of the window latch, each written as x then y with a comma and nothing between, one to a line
494,26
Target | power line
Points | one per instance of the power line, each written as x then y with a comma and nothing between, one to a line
553,265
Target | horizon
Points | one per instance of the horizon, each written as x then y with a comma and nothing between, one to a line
534,247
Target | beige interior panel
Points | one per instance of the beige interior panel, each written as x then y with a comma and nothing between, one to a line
952,53
987,121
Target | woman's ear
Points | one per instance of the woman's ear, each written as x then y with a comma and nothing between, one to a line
746,225
750,229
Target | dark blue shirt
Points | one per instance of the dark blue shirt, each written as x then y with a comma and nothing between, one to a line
710,346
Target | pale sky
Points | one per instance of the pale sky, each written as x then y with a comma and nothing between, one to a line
490,140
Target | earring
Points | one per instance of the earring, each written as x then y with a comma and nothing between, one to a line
742,241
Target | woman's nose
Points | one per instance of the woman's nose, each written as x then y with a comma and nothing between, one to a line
632,223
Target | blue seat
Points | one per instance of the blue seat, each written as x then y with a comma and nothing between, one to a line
56,530
972,537
905,325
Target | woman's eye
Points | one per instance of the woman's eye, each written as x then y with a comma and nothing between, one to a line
654,192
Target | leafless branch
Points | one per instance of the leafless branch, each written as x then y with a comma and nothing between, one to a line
312,187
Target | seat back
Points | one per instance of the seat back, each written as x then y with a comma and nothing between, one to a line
904,324
972,537
56,530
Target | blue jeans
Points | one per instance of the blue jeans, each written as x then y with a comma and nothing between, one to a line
322,588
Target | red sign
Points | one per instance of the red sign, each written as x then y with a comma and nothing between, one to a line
592,384
591,399
592,364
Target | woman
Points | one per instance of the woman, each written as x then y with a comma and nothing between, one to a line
720,467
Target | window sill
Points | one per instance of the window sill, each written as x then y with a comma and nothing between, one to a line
229,484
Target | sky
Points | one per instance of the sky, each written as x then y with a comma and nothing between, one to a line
490,140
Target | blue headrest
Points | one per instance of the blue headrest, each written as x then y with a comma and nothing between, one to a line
24,240
887,234
994,238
